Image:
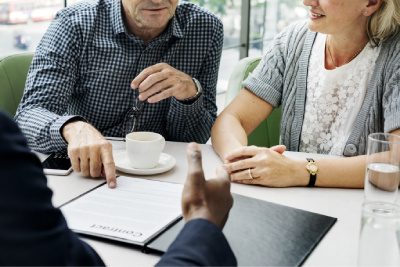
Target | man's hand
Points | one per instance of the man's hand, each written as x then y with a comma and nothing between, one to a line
210,200
89,151
164,79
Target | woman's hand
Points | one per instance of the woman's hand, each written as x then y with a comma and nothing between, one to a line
268,167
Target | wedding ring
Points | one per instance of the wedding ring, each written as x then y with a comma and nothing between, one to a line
251,177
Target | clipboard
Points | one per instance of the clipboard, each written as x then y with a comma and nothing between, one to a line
260,233
263,233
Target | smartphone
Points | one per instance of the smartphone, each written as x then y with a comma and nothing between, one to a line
57,164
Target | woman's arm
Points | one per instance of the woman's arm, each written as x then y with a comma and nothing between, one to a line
237,121
269,168
344,172
272,169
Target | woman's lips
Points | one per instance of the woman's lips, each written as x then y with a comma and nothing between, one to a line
316,15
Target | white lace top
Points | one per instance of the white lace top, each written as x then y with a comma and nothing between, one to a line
334,99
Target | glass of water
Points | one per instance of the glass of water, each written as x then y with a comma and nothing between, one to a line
379,243
382,173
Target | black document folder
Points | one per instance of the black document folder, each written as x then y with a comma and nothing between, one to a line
262,233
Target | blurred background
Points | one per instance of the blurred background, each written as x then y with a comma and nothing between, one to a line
249,25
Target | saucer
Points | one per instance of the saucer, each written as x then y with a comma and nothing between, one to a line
165,163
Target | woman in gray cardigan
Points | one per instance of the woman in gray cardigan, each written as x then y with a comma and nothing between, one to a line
337,78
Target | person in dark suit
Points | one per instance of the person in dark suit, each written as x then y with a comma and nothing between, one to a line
34,232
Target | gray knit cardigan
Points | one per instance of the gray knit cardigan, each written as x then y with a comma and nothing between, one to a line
281,80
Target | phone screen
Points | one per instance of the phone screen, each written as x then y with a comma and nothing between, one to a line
57,162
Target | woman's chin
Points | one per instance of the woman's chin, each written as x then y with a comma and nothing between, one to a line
315,28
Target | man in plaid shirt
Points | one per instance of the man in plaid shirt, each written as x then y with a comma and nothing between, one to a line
99,58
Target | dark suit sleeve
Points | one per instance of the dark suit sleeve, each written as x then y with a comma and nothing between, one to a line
32,231
200,243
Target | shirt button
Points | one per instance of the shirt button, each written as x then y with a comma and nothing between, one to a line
350,149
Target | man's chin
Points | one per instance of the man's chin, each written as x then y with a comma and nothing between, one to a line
154,24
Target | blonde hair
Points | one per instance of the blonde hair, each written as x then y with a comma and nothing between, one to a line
385,22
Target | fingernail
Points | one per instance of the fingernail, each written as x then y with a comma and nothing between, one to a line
195,154
133,86
111,184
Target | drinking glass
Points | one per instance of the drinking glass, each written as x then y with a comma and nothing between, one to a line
382,172
379,243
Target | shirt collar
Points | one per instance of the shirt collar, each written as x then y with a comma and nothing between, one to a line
116,14
173,28
176,28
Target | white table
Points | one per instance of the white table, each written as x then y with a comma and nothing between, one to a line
337,248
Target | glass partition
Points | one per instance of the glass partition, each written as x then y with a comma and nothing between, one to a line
71,2
268,18
23,23
229,13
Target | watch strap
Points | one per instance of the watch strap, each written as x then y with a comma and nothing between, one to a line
197,95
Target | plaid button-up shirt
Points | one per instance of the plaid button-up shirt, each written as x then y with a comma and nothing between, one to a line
86,61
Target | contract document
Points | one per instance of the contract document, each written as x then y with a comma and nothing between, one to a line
134,212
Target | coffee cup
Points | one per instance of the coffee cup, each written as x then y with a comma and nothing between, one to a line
144,149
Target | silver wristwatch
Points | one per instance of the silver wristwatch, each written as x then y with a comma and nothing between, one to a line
197,95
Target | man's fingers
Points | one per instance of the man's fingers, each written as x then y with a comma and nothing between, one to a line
108,165
74,158
155,90
140,78
145,73
195,164
194,156
109,171
84,165
154,83
161,96
95,163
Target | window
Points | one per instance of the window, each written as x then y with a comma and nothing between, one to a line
71,2
229,12
23,23
265,19
268,18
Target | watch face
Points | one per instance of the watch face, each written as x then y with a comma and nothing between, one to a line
312,167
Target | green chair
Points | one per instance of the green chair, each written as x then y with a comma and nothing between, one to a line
267,134
13,72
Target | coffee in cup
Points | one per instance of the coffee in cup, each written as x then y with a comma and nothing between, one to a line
144,149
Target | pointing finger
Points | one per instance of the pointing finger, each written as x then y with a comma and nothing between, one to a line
109,165
195,163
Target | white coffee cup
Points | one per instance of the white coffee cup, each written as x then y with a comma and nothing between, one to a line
144,149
